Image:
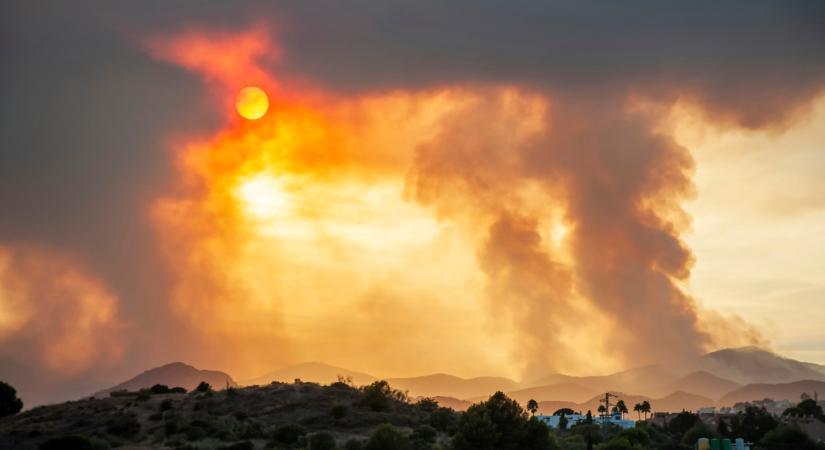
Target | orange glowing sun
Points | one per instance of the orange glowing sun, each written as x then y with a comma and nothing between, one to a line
252,103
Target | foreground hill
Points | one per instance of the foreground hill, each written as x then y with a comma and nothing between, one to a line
173,374
314,372
254,417
784,391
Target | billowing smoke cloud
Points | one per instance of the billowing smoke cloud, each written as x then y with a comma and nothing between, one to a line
55,316
553,163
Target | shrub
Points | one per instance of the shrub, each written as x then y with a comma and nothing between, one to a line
123,426
353,444
321,441
166,405
387,437
243,445
177,390
159,389
338,411
9,403
443,419
288,434
203,387
786,437
379,396
67,443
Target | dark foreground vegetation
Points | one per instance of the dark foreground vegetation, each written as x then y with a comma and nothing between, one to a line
339,416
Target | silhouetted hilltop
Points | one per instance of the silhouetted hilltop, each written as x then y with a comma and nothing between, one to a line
173,374
748,365
705,384
448,385
782,391
315,372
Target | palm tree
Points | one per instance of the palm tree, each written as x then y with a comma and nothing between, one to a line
638,408
532,406
646,408
602,410
622,408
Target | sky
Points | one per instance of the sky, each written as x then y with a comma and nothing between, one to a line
477,188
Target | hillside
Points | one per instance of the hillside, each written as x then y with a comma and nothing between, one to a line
674,402
704,384
565,392
173,374
750,365
783,391
648,380
315,372
264,416
451,386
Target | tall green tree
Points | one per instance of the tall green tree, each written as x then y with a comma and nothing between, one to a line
499,424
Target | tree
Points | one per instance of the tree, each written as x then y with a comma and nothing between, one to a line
379,396
602,410
638,408
786,437
387,437
532,406
697,431
753,424
564,411
622,408
538,437
562,422
203,386
496,424
682,422
646,408
9,403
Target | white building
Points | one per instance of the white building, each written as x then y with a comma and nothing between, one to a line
572,419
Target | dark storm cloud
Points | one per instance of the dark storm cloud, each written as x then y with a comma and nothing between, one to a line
85,113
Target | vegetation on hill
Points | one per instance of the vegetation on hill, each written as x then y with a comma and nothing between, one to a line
309,416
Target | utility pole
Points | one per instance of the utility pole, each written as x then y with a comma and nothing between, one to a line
606,402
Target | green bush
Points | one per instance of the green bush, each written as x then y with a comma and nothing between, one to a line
338,411
786,437
159,389
353,444
123,426
288,434
243,445
321,441
67,443
387,437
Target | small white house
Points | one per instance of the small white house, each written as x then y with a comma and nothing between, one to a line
572,419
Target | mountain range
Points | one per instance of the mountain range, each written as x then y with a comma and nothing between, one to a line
719,378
